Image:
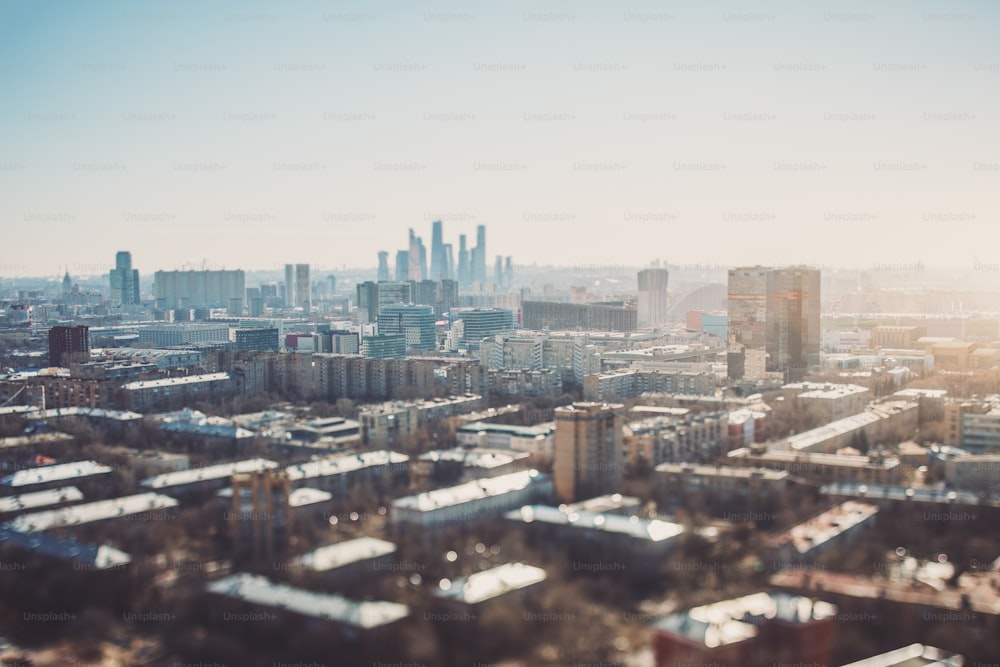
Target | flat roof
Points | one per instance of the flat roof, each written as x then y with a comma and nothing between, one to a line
29,501
605,503
91,556
706,470
468,492
650,530
836,428
814,458
34,439
340,464
208,473
89,512
476,458
334,556
513,429
910,494
492,583
173,382
300,497
54,473
914,655
733,621
824,527
99,413
254,589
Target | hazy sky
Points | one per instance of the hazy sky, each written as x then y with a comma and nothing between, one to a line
253,134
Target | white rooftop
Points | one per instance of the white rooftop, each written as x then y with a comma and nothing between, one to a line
253,589
214,472
491,583
29,501
652,530
338,555
476,458
55,473
297,498
822,528
339,464
914,655
90,512
468,492
98,557
173,382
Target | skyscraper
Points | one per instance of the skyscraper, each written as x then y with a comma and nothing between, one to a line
588,450
383,266
124,281
418,258
653,300
298,289
479,256
773,321
439,266
463,263
402,266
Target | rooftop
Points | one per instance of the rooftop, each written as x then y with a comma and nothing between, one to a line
909,494
814,458
91,512
338,555
340,464
914,655
214,472
492,583
468,492
258,590
29,501
607,503
173,382
90,556
722,471
732,621
475,458
54,473
524,431
822,528
650,530
300,497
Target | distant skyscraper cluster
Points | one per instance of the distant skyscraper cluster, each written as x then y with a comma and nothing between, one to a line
470,268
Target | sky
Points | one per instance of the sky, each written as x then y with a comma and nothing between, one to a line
254,134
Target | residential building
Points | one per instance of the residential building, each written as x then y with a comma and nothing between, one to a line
298,288
481,323
588,450
539,315
68,345
653,298
838,527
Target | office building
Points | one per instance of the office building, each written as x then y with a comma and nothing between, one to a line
653,299
298,289
402,266
384,346
464,265
773,321
68,345
588,450
382,274
257,338
479,256
171,335
415,322
192,289
124,281
482,323
439,261
373,296
552,315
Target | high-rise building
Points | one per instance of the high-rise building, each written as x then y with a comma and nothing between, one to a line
439,264
464,272
298,289
447,296
67,285
482,323
374,296
449,263
653,300
498,271
67,344
479,256
418,258
414,322
332,283
402,266
124,281
191,289
773,321
257,338
588,446
383,266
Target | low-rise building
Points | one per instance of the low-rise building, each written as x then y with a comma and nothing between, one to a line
535,440
471,501
349,617
877,467
146,395
914,655
601,542
751,631
36,499
837,527
43,477
680,484
978,472
461,464
208,478
145,504
383,470
478,589
827,400
348,561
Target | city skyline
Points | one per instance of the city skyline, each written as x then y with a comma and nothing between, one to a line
605,131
